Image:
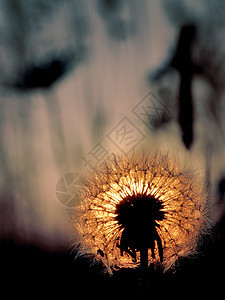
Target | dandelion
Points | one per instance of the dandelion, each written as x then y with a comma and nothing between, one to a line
141,209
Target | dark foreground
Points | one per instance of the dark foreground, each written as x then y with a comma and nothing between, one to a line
30,272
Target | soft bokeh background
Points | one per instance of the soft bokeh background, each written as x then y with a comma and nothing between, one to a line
71,71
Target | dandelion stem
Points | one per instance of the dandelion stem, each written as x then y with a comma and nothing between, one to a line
143,270
144,258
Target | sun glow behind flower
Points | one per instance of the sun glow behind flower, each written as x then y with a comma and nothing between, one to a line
141,202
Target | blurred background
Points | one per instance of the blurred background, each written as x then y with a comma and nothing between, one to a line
81,80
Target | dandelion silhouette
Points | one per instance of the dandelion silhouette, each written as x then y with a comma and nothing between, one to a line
141,210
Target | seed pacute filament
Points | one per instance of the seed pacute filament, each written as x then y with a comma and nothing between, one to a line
138,215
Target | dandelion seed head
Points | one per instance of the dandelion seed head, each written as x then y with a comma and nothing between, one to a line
141,201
